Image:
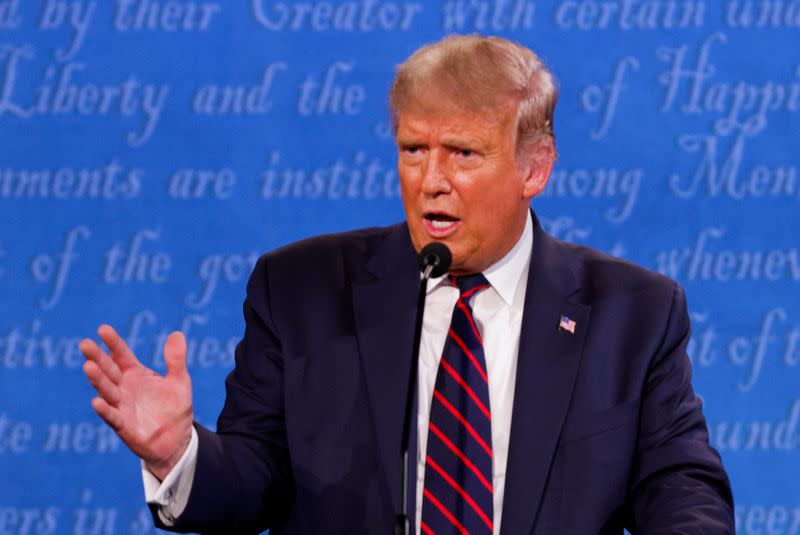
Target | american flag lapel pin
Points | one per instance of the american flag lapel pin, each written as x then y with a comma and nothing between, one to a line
567,324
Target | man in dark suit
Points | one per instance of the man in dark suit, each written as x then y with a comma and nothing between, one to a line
554,389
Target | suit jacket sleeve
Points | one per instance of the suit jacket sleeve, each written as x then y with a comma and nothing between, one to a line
242,481
678,485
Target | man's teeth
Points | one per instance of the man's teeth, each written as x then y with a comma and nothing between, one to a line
442,224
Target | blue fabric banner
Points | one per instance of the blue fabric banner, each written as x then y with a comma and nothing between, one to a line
153,149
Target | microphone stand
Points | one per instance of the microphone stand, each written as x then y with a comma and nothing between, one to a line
402,523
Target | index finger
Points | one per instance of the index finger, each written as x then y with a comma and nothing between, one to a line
117,348
93,352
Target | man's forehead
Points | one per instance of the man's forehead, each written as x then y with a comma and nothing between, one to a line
422,116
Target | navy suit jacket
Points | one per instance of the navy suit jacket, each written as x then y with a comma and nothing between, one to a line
606,430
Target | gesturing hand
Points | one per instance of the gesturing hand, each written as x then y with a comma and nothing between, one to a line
151,413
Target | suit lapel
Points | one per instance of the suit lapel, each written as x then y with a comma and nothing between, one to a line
385,310
546,370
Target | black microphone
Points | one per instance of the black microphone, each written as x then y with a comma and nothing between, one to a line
434,261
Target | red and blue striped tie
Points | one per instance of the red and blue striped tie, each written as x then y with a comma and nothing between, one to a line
457,496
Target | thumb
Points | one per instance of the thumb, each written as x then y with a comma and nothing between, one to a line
175,354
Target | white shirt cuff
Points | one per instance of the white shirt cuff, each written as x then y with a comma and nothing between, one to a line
172,494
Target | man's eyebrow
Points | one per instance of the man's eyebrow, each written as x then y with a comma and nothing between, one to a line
410,142
410,138
462,141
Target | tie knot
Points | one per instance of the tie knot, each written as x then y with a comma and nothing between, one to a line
470,284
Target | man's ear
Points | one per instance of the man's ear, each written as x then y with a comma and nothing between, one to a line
537,169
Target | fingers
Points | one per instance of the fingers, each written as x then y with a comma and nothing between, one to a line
117,347
93,353
175,354
109,414
107,389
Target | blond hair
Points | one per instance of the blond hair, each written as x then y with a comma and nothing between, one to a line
481,73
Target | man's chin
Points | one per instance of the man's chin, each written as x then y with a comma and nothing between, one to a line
461,264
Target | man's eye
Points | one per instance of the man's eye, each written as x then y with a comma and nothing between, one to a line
466,153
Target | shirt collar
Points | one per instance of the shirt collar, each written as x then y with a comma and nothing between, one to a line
504,274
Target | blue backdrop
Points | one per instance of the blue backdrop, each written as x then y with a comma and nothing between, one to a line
150,150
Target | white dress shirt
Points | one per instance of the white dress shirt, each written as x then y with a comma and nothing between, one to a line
498,315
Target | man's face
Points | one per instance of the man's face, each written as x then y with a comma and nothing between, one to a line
462,184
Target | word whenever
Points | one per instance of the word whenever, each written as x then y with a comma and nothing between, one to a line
351,16
112,181
59,94
700,262
587,15
357,180
488,15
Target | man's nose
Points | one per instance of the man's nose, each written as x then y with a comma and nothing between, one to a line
435,179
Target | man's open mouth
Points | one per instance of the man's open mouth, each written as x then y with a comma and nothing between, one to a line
438,221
